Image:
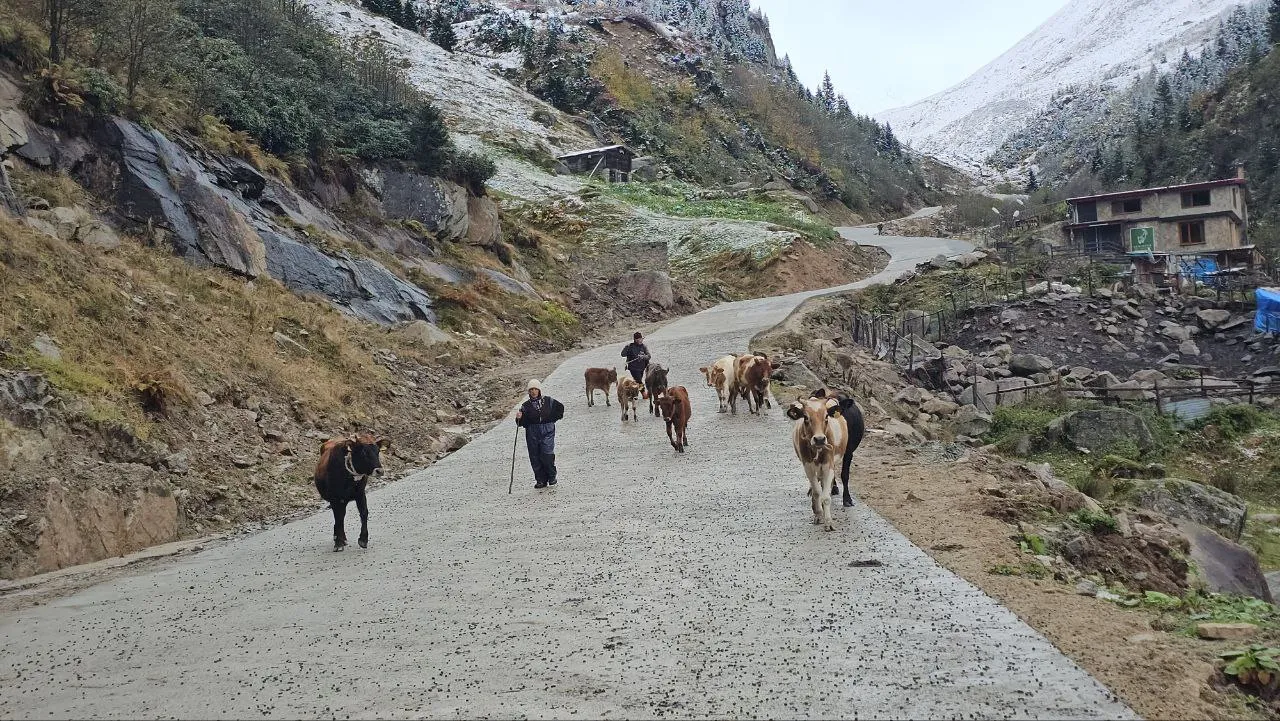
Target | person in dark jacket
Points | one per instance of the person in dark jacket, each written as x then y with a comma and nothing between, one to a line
637,355
538,417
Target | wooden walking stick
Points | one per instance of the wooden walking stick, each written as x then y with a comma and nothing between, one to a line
514,445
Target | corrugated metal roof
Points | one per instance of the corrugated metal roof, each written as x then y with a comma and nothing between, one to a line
592,151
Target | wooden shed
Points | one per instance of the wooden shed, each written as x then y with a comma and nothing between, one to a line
612,162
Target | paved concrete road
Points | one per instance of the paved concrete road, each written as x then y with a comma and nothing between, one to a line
647,585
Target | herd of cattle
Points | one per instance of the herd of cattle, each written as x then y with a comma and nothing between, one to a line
827,431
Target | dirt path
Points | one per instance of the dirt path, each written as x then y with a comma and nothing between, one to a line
648,584
942,504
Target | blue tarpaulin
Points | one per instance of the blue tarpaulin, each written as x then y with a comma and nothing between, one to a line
1200,268
1268,318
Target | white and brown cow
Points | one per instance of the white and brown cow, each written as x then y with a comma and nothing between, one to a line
751,374
629,392
820,436
719,375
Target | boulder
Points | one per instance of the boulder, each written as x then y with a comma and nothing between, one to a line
1226,631
915,322
1189,348
99,235
939,407
1224,566
798,374
440,206
968,260
1101,430
981,394
360,286
647,286
1178,499
969,421
1211,319
902,431
485,226
1176,332
1105,379
1149,377
1027,365
509,284
1011,392
427,334
915,395
1131,391
45,345
940,262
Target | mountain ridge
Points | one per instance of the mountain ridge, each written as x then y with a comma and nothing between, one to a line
965,123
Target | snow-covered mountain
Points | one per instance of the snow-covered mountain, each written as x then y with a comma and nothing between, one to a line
1085,43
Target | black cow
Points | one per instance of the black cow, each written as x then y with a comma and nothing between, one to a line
341,476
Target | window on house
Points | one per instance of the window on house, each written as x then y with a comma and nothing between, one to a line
1192,233
1087,213
1196,199
1133,205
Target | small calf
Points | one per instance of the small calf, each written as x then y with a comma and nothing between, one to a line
345,467
676,411
629,392
600,379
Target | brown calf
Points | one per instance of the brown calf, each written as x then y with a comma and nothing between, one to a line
341,476
676,411
600,379
751,374
719,375
629,392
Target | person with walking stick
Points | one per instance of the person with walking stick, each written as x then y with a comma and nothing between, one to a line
538,417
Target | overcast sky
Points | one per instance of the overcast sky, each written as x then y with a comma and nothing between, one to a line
887,53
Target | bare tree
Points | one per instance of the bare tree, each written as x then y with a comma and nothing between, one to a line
61,18
148,28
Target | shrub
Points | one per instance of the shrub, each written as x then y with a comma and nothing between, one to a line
471,170
1096,522
22,42
1233,422
162,391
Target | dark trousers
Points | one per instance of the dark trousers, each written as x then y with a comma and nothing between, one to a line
637,372
541,441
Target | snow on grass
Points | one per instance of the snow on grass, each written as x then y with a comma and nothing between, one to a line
474,99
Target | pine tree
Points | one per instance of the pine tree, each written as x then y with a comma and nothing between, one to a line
828,94
1273,22
394,11
1032,183
1163,109
410,18
442,33
1095,162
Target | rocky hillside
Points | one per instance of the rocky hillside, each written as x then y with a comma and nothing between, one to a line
308,220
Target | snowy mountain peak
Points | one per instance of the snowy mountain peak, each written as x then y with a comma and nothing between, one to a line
1086,43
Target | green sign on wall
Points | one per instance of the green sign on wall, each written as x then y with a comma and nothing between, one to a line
1142,240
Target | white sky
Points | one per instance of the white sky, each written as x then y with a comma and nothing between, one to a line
887,53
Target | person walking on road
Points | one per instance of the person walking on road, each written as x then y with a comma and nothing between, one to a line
880,229
637,355
538,417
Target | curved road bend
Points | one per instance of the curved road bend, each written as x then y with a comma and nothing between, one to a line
646,585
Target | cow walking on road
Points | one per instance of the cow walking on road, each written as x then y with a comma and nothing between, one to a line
820,436
655,382
751,374
345,466
719,375
600,379
629,392
857,429
676,411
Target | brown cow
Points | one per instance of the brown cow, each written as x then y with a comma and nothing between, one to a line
751,374
819,437
600,379
341,476
676,411
629,392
